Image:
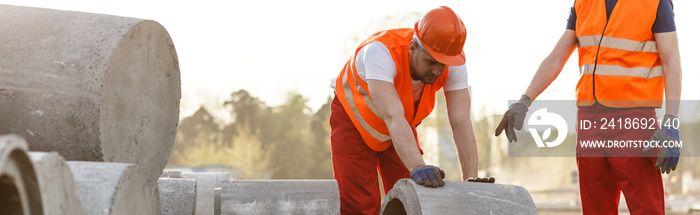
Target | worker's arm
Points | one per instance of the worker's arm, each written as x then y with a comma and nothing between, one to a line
667,44
552,65
389,109
548,71
459,113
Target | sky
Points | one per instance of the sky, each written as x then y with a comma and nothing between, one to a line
271,47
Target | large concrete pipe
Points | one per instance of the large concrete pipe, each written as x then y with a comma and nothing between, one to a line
91,87
19,190
113,189
278,197
407,197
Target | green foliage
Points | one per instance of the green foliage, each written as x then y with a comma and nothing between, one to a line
248,155
202,151
245,153
283,142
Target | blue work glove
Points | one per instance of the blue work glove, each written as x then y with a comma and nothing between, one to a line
428,175
667,159
514,118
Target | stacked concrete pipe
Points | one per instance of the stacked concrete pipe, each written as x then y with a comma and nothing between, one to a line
407,197
113,189
19,188
278,197
58,189
178,196
91,87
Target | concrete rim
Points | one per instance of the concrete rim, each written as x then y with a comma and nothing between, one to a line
18,177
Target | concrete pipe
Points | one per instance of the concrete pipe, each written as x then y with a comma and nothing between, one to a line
58,192
207,182
113,188
91,87
279,197
407,197
178,196
19,190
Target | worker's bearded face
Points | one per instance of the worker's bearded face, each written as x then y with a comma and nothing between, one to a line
424,67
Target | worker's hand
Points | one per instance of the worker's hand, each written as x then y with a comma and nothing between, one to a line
483,180
514,118
667,159
428,175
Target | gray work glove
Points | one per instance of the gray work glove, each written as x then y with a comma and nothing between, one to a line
428,175
668,157
483,180
514,118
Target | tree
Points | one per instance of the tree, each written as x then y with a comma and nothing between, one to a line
320,129
200,125
248,155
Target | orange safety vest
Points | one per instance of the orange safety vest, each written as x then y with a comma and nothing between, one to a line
619,63
353,93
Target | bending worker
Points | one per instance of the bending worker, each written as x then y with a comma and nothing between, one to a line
628,56
382,94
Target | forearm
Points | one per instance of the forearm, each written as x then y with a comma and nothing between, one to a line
467,151
404,142
552,65
545,75
672,82
667,45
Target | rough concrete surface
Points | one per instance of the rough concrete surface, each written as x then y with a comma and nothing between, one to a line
113,188
217,201
91,87
206,183
280,197
58,192
177,196
19,190
407,197
171,174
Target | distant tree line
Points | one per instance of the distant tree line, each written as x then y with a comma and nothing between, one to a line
289,141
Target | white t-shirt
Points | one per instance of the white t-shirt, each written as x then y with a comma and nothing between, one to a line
374,62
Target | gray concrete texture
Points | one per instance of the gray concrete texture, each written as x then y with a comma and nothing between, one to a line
177,196
171,174
58,192
19,188
279,197
113,189
455,197
91,87
206,183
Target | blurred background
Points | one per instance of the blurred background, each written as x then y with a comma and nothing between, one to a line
256,75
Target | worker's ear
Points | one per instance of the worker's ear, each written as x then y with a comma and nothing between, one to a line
412,46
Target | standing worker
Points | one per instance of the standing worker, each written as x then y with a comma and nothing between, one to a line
383,93
628,56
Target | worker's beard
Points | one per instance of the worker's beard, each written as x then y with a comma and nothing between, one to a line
427,78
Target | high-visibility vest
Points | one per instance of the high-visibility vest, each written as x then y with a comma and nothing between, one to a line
619,63
353,93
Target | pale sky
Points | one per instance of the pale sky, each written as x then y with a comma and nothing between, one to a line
271,47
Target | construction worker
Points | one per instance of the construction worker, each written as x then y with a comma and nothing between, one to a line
628,56
382,94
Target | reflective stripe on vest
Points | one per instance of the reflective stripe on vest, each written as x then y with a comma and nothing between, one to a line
641,72
368,102
617,43
618,59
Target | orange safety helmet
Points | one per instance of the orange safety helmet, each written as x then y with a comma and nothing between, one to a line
442,33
